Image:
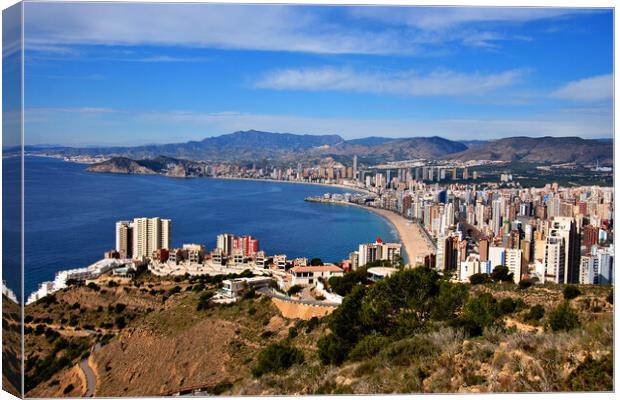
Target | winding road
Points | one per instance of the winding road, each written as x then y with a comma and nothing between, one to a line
91,378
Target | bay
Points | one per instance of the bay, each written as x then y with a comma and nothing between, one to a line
70,215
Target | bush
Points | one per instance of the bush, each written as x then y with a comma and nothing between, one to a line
610,297
68,389
312,323
502,274
570,292
593,375
93,286
294,290
507,306
316,262
368,347
174,290
203,301
39,330
480,278
563,318
525,283
120,322
479,313
536,313
404,352
277,357
332,349
119,308
292,332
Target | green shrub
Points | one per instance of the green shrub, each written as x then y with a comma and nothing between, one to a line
312,323
203,301
93,286
507,306
294,290
563,318
404,352
480,278
479,313
502,274
68,389
292,332
610,297
120,322
277,357
570,292
368,347
593,375
332,349
525,283
535,313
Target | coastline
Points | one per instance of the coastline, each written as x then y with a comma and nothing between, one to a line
340,186
415,242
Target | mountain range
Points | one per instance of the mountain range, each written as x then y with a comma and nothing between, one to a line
253,146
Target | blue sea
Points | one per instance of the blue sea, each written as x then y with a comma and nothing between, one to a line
70,215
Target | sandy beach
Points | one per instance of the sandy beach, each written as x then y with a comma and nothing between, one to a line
416,243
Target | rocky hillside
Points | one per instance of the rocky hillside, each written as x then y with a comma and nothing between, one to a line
375,150
483,338
541,150
162,165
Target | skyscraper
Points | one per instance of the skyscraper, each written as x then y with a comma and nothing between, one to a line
124,238
354,168
150,234
554,259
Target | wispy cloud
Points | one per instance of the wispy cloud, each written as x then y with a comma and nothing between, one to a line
596,88
328,30
408,83
256,27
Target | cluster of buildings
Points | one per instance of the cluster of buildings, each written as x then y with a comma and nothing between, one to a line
63,278
377,251
552,234
387,176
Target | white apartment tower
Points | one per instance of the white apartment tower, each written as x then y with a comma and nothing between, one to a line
554,259
150,234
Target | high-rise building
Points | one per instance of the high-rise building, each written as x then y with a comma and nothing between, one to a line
149,235
589,237
554,259
370,252
225,243
124,238
497,216
483,249
354,168
565,228
513,263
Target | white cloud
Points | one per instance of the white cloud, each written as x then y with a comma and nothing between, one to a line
267,27
335,30
596,88
409,83
441,18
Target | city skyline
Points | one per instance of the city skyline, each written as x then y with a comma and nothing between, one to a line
455,72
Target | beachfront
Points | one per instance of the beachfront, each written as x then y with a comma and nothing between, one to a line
415,242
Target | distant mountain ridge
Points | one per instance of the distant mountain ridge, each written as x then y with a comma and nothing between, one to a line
254,146
542,149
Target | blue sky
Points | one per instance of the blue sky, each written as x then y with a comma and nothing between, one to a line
105,73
